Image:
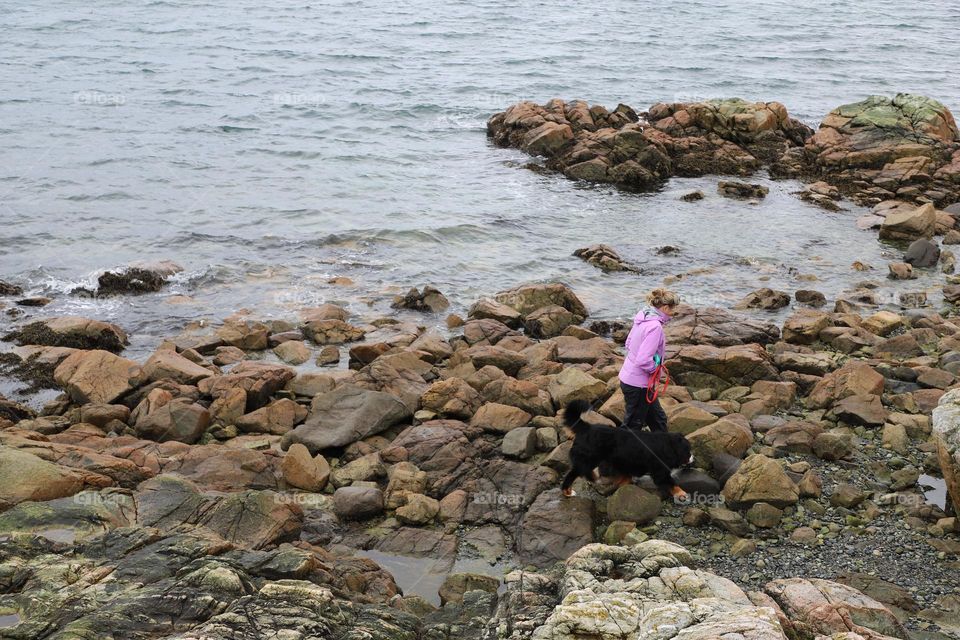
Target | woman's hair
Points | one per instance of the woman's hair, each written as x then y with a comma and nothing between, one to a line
662,298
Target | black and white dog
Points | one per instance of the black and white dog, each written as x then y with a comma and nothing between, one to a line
622,453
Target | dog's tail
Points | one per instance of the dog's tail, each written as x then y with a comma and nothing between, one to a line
572,416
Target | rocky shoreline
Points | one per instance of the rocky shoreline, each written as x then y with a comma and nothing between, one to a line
219,488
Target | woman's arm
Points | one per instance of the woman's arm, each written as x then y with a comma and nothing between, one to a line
642,354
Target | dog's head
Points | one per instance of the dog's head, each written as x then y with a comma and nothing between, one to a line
683,455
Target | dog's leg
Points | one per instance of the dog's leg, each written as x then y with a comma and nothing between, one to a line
679,495
595,475
567,486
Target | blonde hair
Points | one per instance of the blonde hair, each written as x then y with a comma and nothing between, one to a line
662,298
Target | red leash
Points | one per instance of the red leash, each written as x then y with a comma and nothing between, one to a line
653,390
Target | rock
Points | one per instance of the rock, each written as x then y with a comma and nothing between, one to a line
605,258
405,479
810,297
555,527
730,435
760,479
510,362
277,418
633,504
520,443
804,326
500,418
573,384
693,196
528,298
7,289
418,510
764,516
728,521
886,143
254,519
167,364
860,410
347,414
848,496
24,477
883,323
293,352
922,253
303,471
332,331
137,278
721,367
687,418
328,355
794,436
97,376
174,419
259,380
325,311
832,446
909,225
521,394
901,271
73,332
742,190
852,379
767,299
452,398
357,503
550,321
717,327
430,299
946,433
822,607
488,308
244,334
457,584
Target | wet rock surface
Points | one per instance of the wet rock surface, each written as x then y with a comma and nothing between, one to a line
181,498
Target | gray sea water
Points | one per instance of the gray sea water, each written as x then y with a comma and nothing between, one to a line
269,147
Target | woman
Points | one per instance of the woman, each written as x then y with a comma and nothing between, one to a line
645,350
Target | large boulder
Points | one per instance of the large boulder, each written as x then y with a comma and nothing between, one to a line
910,224
554,527
721,367
176,419
820,608
852,379
167,364
886,144
344,415
140,277
258,380
453,398
73,332
527,298
730,435
760,479
573,384
804,326
24,476
97,376
717,327
946,432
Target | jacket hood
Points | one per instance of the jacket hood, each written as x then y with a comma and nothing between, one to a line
650,314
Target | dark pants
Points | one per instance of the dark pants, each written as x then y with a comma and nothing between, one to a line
640,412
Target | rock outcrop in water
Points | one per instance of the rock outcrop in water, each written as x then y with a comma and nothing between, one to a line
641,151
906,147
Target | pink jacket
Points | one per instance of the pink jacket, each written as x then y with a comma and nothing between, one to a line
645,341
